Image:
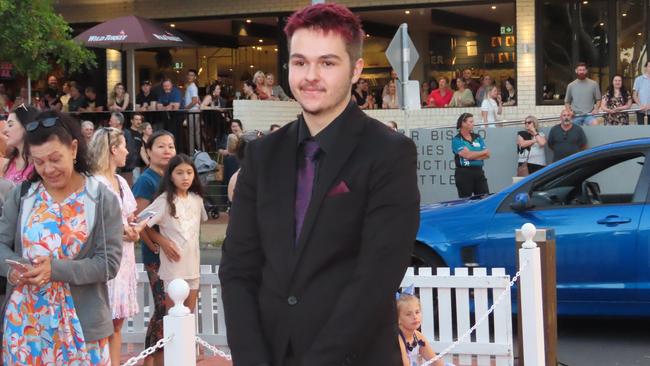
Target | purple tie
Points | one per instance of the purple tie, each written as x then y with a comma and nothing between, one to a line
305,181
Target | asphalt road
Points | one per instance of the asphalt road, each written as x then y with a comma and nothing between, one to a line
606,342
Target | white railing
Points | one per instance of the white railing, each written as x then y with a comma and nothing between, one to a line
472,295
210,325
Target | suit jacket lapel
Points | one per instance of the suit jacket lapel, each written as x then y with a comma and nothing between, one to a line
283,187
347,139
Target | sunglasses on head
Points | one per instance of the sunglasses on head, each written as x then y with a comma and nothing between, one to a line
46,123
528,122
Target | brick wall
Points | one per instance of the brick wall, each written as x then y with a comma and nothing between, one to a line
259,115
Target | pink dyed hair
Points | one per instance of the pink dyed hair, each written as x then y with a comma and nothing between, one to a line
330,18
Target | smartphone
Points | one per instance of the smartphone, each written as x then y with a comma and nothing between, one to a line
145,216
18,266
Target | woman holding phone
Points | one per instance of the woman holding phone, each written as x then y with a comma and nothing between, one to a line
108,152
64,227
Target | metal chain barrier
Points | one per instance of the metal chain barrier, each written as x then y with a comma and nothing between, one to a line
214,349
149,351
480,320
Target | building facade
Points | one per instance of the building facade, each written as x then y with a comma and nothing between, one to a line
536,43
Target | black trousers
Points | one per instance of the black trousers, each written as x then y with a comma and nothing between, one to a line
471,181
640,118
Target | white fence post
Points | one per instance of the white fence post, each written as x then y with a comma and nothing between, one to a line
531,298
180,325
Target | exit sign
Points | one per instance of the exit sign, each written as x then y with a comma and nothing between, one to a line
507,29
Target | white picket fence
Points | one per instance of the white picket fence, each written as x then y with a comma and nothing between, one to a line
470,297
210,329
440,324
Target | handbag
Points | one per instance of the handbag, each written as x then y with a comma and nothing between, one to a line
218,174
522,170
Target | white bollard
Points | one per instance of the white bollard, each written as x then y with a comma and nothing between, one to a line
532,318
180,324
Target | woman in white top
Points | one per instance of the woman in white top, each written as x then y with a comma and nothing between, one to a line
491,106
530,145
108,152
178,212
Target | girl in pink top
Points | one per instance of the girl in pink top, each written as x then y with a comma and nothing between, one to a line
16,167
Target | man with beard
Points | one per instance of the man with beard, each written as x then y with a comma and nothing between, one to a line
566,138
583,97
309,267
470,83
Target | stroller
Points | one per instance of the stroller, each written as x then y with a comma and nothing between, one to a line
206,167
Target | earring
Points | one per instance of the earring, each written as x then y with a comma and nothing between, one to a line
74,161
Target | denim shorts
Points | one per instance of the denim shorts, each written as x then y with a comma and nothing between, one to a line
584,120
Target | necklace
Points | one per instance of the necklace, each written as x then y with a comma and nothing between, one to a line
410,346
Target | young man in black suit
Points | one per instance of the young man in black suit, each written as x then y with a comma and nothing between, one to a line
324,218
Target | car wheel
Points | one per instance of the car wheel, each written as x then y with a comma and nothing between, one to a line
423,256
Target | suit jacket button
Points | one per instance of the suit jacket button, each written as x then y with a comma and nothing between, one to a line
292,300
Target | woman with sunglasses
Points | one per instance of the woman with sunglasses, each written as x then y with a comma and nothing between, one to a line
17,168
63,232
107,151
530,146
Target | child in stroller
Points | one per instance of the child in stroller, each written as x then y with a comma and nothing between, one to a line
206,167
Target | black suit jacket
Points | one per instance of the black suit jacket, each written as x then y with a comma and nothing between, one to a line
327,298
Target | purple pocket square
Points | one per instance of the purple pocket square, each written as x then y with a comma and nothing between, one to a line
338,189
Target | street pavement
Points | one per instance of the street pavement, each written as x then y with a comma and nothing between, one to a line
608,341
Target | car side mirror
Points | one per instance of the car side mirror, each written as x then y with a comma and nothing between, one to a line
521,202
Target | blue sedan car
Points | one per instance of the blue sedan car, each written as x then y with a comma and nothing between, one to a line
597,202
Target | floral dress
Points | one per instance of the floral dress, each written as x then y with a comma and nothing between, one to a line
616,118
41,325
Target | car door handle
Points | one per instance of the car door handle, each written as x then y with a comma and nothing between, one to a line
614,220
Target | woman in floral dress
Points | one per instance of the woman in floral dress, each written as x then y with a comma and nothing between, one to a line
616,99
65,229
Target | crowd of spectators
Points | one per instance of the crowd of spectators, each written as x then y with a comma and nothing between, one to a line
462,91
262,87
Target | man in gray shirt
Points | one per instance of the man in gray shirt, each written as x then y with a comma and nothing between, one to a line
566,138
642,94
277,92
582,97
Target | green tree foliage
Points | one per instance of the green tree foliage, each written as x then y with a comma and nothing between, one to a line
33,36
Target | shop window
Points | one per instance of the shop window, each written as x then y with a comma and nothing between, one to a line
610,36
480,37
632,39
